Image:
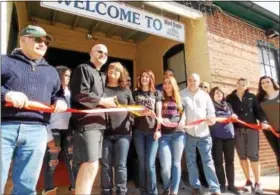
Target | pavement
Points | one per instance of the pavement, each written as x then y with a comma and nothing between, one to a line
270,184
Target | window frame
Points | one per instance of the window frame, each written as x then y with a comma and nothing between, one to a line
269,48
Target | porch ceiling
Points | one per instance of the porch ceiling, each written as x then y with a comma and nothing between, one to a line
74,22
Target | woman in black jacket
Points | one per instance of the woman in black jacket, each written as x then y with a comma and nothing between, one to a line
247,108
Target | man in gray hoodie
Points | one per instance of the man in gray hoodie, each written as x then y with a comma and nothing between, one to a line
198,105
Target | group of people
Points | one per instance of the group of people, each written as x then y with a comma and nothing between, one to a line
32,138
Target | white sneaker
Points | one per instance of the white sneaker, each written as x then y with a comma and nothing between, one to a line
258,189
248,186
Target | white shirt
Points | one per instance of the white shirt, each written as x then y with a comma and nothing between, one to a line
198,106
61,120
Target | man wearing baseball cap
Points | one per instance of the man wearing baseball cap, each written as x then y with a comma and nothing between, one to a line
26,76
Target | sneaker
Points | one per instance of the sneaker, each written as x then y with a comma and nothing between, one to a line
182,185
234,190
248,186
166,192
195,191
223,189
258,189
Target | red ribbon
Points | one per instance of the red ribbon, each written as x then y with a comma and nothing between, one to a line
37,106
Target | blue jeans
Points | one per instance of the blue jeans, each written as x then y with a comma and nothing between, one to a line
171,148
114,154
25,144
204,145
146,148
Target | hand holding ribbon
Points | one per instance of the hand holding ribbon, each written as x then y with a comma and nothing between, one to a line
139,111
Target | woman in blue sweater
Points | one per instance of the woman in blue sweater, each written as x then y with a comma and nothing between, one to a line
223,141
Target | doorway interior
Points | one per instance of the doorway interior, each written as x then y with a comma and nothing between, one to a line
72,59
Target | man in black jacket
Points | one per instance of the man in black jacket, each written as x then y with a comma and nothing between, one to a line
87,88
247,108
27,76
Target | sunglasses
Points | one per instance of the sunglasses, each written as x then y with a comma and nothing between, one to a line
102,52
204,87
40,40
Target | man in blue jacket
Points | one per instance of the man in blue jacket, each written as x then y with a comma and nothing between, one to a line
27,76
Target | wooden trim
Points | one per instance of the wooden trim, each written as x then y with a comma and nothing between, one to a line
53,17
112,31
22,14
76,40
94,27
75,22
129,35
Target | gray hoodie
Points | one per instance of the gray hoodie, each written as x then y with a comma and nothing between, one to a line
198,106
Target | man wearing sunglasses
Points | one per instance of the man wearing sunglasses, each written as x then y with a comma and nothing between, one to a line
87,87
204,86
27,76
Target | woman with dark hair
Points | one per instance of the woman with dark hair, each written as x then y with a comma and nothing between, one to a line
117,136
223,141
268,96
147,132
62,133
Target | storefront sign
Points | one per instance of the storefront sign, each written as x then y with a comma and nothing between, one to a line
123,15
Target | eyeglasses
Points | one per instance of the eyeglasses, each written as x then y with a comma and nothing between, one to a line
40,40
204,87
102,52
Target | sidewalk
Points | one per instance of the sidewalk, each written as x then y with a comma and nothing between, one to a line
270,182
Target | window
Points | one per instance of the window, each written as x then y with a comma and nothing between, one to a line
174,59
269,60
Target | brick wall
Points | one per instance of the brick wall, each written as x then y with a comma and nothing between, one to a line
233,54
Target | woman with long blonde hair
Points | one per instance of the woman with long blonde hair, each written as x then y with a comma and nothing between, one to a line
173,139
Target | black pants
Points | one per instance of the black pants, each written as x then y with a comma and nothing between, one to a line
274,143
64,142
223,150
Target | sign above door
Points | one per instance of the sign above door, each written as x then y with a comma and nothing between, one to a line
122,15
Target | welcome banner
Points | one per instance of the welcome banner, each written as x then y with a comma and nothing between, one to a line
122,15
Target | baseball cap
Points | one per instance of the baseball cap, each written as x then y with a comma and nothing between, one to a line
35,31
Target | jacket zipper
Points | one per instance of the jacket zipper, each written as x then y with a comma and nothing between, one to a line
33,68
